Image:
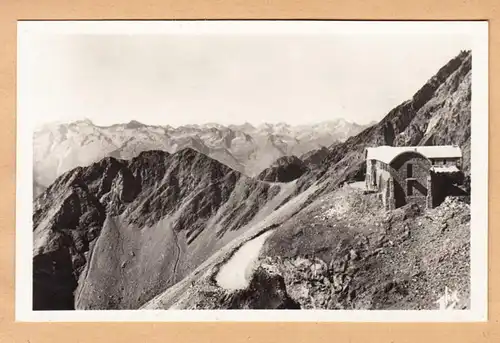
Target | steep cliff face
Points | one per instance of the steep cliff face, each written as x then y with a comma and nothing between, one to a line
445,118
314,158
284,169
67,218
119,231
438,113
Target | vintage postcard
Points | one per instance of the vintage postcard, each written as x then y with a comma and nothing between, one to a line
252,171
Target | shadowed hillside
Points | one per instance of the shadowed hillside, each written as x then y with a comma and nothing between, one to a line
125,230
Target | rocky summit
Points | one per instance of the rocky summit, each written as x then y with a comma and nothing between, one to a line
162,223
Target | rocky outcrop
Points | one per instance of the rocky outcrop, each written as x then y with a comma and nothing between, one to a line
63,233
355,256
285,169
314,158
266,291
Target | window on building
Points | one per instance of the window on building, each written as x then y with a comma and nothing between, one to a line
409,170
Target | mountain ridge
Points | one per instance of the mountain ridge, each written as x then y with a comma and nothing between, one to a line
245,148
186,193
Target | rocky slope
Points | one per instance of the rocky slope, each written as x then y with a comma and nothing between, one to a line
343,252
61,147
438,113
284,169
114,234
313,158
340,250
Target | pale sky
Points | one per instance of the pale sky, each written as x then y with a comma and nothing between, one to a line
228,79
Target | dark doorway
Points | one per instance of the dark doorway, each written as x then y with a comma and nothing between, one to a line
399,195
409,170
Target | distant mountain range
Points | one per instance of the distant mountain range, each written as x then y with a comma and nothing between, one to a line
245,148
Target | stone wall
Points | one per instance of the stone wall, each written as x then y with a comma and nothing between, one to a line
379,172
396,186
388,195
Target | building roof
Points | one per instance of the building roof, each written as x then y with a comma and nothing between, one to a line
386,153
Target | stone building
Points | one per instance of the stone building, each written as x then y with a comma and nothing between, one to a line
423,175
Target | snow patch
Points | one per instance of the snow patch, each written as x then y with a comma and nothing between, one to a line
237,272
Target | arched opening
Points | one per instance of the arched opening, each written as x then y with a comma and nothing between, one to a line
411,170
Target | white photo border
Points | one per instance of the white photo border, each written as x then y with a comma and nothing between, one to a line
478,31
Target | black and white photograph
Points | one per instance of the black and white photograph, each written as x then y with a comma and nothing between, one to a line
252,171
